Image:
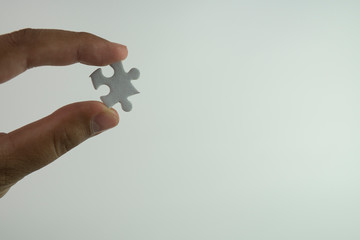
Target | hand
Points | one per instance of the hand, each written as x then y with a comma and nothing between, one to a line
32,147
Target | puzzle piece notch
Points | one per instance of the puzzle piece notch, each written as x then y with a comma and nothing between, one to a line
119,84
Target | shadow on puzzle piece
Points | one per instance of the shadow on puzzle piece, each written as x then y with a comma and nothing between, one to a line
119,84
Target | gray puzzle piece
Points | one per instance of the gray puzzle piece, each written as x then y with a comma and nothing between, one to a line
119,84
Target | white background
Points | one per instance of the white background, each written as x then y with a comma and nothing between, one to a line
247,125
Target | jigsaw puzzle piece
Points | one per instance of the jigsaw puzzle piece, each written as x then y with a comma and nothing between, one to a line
98,79
109,100
119,84
126,105
134,74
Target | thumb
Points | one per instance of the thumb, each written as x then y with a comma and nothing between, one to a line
38,144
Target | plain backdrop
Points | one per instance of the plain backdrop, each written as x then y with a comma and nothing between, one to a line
247,125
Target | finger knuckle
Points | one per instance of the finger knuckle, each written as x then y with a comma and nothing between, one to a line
22,36
64,141
10,172
84,35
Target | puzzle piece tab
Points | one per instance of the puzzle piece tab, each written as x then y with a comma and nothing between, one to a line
119,84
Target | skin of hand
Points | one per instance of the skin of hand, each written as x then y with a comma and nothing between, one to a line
33,146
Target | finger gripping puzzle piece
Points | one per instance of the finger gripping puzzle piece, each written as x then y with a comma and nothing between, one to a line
120,85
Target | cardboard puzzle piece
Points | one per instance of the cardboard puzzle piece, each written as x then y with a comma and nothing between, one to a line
120,85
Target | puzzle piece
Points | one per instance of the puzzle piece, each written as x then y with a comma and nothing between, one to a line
119,84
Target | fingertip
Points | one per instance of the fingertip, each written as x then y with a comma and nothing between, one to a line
122,51
110,53
104,120
94,50
116,114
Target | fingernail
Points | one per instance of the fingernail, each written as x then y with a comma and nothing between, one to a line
104,121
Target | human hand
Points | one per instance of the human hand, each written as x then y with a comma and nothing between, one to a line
32,147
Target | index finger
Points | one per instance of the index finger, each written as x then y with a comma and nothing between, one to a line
29,48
